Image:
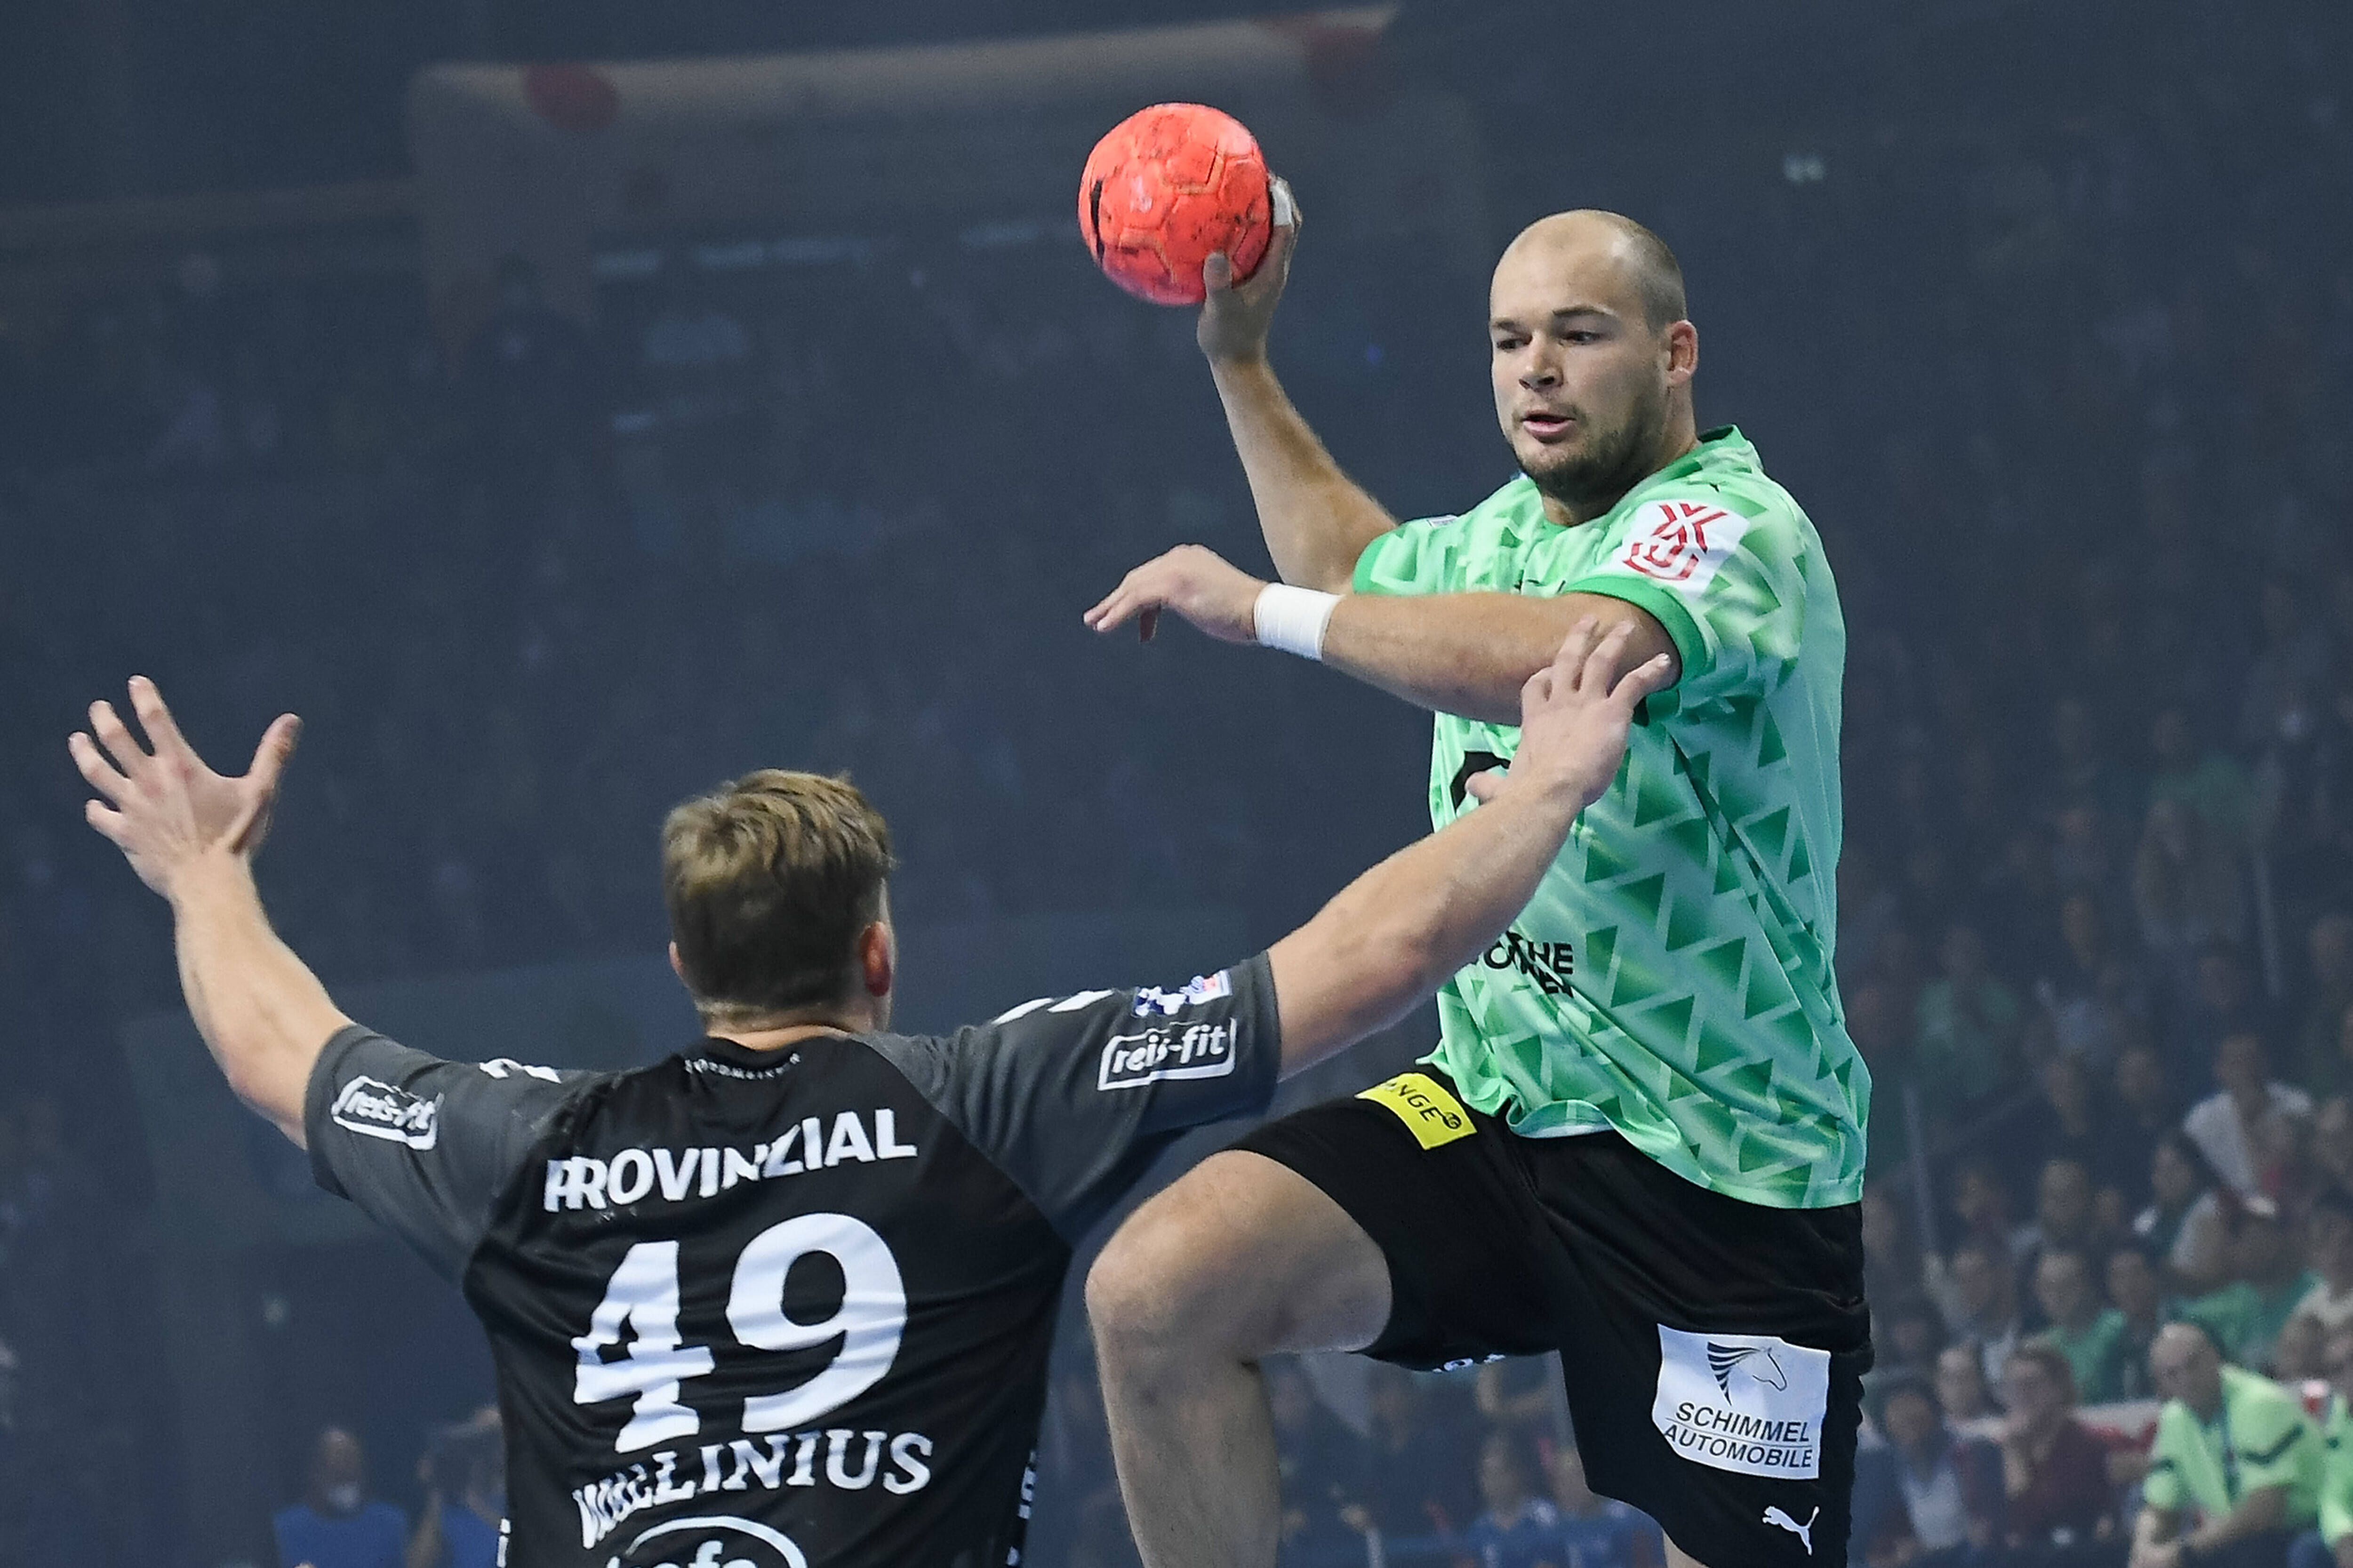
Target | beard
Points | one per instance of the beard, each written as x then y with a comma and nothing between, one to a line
1589,478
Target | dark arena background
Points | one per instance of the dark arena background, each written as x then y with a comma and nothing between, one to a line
565,407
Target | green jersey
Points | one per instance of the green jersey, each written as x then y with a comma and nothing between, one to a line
1671,978
2096,1355
2260,1437
2336,1472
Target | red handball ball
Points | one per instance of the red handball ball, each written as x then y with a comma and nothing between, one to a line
1170,186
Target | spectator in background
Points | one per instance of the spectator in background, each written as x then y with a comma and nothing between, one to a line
2185,885
2143,1111
335,1525
1961,1389
1597,1531
2088,994
1981,1203
2234,1474
1929,1496
2137,1290
1907,1334
2246,1315
1520,1392
1318,1459
2239,1128
1890,1263
2224,999
2332,1133
2330,1543
2211,783
2088,1335
1413,1480
2183,1224
2081,771
2064,1218
2328,1247
1519,1529
1981,1306
465,1480
2054,1473
1967,1026
2321,1061
2068,1125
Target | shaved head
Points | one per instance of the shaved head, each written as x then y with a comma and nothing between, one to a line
1592,358
1646,264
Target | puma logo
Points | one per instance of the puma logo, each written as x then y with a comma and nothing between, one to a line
1804,1533
1758,1361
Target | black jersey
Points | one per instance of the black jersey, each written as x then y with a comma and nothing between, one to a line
788,1309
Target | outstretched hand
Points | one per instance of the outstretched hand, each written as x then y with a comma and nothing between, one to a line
1196,583
1574,716
166,808
1237,317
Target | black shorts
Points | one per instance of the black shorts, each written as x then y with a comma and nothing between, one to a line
1714,1348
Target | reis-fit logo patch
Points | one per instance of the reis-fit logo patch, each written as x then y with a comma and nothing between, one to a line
1751,1404
376,1109
1166,1051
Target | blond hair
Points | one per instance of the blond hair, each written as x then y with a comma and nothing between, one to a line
769,879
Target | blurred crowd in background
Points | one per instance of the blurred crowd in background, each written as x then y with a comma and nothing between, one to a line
2075,440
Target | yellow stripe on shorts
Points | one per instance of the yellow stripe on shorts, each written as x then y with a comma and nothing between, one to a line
1420,1102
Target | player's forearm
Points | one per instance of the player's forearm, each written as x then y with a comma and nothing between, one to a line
262,1013
1316,519
1391,937
1470,653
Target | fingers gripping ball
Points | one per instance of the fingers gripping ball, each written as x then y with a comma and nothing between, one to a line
1171,186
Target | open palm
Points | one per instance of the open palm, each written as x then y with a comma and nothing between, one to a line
165,808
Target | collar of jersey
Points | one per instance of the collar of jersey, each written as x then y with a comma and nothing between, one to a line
740,1056
1724,444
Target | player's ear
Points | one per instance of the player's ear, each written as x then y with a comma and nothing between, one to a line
878,959
677,967
1683,353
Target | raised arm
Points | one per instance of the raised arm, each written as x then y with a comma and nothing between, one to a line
191,834
1393,935
1317,521
1454,652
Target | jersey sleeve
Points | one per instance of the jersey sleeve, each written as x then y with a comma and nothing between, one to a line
1071,1097
2163,1487
2271,1438
422,1145
2337,1476
1728,587
1412,558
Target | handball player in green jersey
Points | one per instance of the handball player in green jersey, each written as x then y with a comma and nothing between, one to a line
1640,1141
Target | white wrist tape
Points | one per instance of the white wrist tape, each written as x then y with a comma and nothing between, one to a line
1293,619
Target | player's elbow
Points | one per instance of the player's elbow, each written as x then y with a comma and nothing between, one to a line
1396,960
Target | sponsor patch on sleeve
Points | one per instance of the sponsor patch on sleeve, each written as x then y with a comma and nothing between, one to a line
1200,989
1420,1102
1751,1404
1680,543
376,1109
1156,1051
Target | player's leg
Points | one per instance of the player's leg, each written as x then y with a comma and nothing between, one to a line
1396,1223
1714,1351
1238,1259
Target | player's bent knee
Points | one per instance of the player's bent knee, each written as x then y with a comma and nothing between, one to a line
1241,1257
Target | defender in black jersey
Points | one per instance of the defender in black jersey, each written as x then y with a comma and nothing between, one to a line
783,1300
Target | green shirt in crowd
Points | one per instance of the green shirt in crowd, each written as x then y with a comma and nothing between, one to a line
2096,1353
2260,1437
2246,1320
1671,978
2336,1472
